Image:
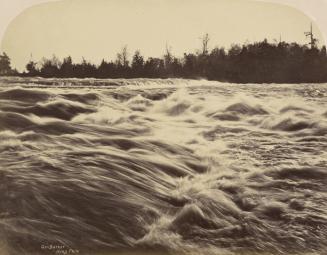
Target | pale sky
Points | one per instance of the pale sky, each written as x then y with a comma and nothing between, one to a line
97,29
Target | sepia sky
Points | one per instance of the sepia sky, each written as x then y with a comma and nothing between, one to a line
97,29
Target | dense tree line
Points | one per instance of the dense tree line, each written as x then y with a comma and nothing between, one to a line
260,62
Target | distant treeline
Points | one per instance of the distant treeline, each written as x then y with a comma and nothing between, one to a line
260,62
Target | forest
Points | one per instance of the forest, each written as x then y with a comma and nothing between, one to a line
259,62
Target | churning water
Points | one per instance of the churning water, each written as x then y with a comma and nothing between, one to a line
163,166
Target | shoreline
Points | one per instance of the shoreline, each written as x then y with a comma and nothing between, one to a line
36,79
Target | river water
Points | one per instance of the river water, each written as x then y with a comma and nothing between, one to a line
162,167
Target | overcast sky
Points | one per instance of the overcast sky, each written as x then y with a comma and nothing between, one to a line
98,29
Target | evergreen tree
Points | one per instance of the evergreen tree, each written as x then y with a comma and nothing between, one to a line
67,67
32,69
5,65
138,64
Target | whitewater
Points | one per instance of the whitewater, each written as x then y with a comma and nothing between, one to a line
162,167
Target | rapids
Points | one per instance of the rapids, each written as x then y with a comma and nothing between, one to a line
162,166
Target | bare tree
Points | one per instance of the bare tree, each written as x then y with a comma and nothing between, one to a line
122,57
205,41
313,40
168,57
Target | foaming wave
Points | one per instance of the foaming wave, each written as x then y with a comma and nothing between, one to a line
60,109
139,103
25,95
246,109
